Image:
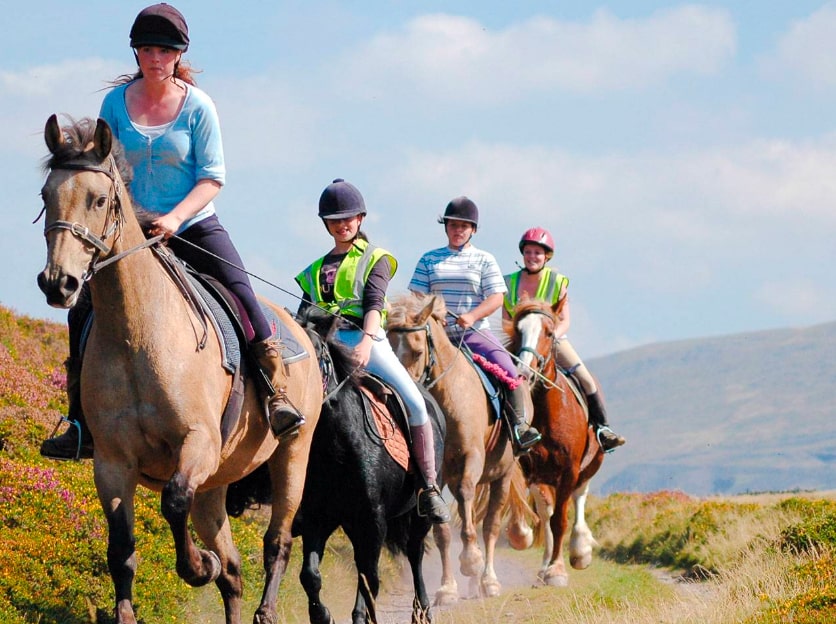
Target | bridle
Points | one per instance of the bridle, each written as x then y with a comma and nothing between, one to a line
114,220
542,361
431,359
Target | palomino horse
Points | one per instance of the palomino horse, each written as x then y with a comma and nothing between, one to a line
356,483
152,396
476,448
560,467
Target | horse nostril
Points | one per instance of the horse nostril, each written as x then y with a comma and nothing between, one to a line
69,285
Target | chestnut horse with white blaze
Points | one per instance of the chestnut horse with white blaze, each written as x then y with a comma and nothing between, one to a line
559,468
152,393
477,452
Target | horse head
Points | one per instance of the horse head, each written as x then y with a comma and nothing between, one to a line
337,361
409,330
82,196
532,335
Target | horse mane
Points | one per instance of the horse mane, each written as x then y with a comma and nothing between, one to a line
321,327
78,136
410,304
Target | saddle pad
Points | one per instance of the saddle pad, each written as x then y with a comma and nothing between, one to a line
292,350
387,429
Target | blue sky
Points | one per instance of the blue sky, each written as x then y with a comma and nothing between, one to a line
683,155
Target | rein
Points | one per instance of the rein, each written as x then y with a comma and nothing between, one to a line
542,361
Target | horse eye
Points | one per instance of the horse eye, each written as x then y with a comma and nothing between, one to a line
101,202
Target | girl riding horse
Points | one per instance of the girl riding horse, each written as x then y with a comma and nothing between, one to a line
351,281
541,282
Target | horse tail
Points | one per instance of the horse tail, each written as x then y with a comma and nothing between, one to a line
519,511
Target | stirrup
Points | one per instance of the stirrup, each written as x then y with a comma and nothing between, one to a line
434,508
619,441
520,446
80,444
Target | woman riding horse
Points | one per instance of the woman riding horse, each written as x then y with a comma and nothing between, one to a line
540,282
170,132
351,281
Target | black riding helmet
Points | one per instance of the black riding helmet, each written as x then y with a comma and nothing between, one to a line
160,25
341,200
462,209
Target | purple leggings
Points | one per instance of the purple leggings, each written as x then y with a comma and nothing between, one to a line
484,343
210,235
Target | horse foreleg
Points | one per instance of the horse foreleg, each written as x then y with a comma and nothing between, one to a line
471,561
582,541
490,585
212,525
195,566
448,593
117,499
415,554
554,574
287,478
367,544
314,538
543,496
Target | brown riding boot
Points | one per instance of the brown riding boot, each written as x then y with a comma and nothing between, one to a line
430,503
76,442
524,435
283,417
607,438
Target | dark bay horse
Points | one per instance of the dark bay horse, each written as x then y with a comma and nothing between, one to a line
353,482
476,449
153,392
560,467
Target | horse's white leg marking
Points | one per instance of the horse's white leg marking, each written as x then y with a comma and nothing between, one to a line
582,541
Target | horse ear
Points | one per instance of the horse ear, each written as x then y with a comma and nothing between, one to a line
557,308
52,134
102,139
427,311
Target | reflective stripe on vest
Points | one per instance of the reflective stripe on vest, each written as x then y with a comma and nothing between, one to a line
548,288
350,280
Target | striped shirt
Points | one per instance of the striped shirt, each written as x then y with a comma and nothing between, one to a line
464,279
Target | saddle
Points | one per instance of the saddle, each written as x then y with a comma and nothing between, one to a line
391,423
216,305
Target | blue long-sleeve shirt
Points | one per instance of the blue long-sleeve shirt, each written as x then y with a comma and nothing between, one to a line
167,167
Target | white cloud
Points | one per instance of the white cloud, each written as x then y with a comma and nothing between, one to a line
28,97
453,58
808,49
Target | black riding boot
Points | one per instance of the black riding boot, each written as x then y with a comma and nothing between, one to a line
607,438
524,436
284,418
76,442
430,503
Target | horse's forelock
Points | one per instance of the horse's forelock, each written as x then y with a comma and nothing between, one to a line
79,136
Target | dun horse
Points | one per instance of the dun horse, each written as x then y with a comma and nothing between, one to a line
355,483
560,467
152,396
476,448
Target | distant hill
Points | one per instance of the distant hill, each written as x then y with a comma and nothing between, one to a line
751,412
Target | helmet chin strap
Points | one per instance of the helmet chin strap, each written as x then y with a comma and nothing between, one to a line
523,267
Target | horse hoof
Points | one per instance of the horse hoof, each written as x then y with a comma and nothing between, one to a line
263,616
446,597
491,589
580,562
560,580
